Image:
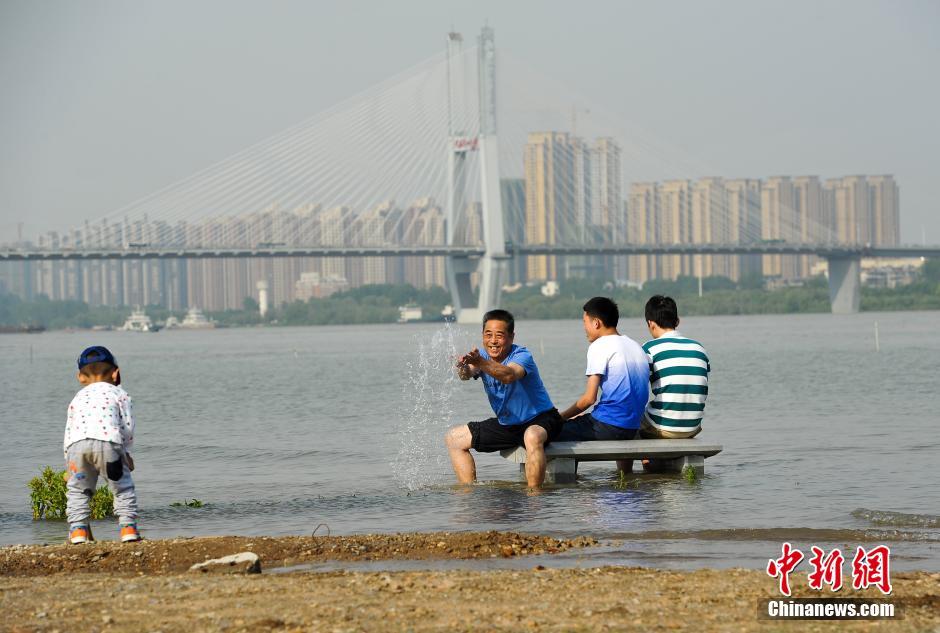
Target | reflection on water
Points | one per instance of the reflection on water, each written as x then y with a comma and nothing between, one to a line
279,430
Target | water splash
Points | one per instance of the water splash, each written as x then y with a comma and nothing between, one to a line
427,404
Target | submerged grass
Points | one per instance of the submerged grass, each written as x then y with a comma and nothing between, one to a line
192,503
48,499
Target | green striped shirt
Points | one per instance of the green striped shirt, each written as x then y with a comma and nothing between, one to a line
679,369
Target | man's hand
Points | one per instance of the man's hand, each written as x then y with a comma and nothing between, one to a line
473,357
466,369
129,461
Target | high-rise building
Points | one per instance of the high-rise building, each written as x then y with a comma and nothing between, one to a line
813,222
607,221
512,192
378,227
675,226
779,223
711,224
885,210
573,195
642,216
424,226
549,197
851,209
744,218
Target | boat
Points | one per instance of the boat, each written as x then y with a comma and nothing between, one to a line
409,313
138,321
196,320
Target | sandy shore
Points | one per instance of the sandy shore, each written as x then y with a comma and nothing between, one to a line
145,587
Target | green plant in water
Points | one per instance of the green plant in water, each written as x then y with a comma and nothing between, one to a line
688,473
192,503
47,497
624,482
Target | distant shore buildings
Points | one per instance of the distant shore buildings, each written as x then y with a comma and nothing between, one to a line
571,192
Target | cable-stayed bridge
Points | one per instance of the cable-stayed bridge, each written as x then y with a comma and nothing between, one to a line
413,168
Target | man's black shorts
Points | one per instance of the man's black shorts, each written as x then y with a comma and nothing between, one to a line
489,435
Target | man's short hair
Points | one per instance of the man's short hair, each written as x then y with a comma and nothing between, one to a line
662,311
500,315
97,369
604,309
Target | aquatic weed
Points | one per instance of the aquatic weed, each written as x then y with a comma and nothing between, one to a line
48,499
192,503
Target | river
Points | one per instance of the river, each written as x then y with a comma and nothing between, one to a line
278,430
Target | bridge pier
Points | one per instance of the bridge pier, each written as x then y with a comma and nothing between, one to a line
845,284
468,308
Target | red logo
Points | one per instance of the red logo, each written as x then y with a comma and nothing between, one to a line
781,567
871,568
826,570
466,144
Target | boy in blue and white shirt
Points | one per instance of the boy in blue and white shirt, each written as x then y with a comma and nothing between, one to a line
617,367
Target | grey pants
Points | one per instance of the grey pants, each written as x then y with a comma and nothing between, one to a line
86,460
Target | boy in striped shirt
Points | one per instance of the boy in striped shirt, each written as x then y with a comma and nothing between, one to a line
679,371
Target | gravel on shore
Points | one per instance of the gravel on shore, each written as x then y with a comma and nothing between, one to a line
94,592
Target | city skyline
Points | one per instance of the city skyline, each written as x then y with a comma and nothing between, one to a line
562,196
72,106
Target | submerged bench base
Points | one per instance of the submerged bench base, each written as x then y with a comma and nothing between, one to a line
673,455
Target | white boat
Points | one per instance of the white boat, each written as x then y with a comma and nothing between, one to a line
196,320
138,321
410,312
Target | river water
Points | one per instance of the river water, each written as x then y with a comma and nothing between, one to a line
826,441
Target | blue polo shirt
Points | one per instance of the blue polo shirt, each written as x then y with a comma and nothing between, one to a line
521,400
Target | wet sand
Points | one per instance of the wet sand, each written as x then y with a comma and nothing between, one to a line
146,587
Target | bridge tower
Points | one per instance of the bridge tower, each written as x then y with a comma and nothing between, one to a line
491,266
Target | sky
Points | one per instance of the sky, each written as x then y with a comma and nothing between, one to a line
103,103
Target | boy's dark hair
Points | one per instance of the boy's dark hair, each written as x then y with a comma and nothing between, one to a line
500,315
604,309
662,311
97,369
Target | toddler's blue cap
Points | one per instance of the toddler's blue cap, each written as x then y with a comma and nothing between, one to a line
96,354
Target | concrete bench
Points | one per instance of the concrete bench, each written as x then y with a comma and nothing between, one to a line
563,457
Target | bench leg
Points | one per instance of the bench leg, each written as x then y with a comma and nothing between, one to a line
557,471
561,471
680,464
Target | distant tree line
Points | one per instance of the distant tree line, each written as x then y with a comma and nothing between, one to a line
379,303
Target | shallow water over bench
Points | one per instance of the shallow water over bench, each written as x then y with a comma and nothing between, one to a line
278,430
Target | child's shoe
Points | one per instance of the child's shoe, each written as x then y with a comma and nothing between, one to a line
79,534
129,533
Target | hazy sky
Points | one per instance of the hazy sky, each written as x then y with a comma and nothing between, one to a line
102,103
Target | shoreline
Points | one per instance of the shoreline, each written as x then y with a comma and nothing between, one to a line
147,586
241,326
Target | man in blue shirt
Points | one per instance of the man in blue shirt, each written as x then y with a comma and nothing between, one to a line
525,415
